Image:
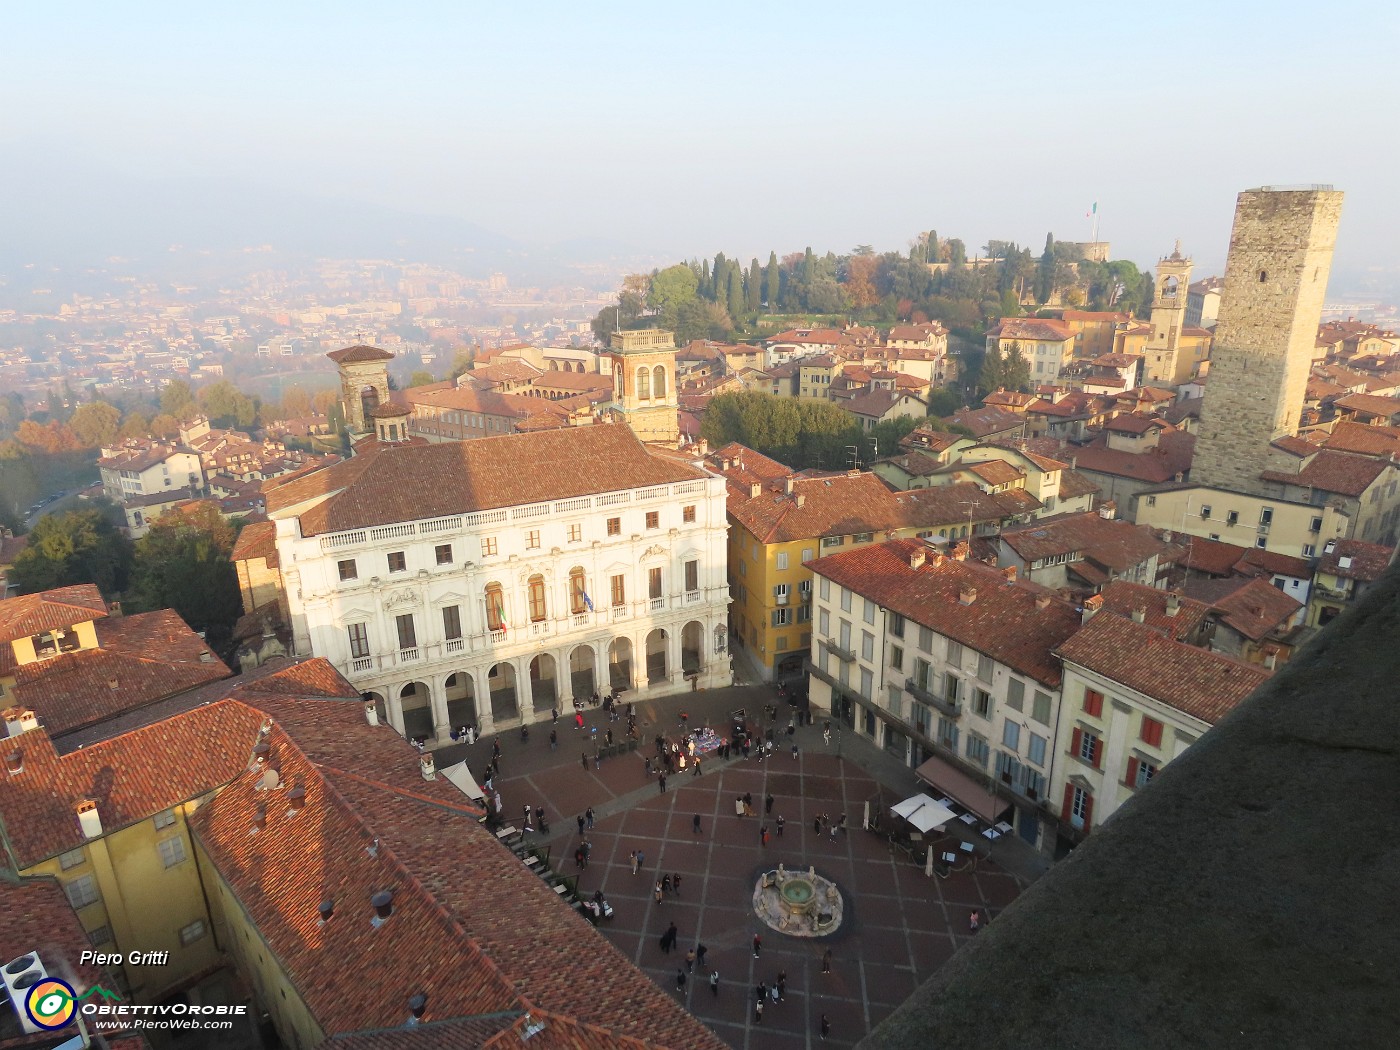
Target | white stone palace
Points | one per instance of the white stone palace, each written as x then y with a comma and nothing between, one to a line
486,582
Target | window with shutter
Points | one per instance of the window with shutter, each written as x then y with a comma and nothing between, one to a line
1151,731
1093,703
1131,778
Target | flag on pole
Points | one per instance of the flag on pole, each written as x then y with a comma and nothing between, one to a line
587,601
1092,211
501,617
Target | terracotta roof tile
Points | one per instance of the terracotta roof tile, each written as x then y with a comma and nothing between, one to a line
1252,607
1366,440
1171,457
408,483
61,607
1074,484
984,422
1330,471
354,354
1116,545
258,540
1204,685
1005,621
1364,561
1258,562
1033,328
1122,598
140,658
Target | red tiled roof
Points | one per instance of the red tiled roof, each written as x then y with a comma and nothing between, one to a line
1171,457
408,483
1132,423
1122,598
1074,484
258,540
1331,471
11,547
1003,621
1116,545
1294,446
1213,557
1033,328
994,471
1252,607
1204,685
875,403
1257,562
1365,561
1369,404
61,607
140,658
1365,440
984,422
353,354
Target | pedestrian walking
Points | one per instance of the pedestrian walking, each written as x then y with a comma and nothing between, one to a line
763,834
714,983
833,832
578,719
588,816
762,992
690,960
632,856
695,823
641,859
700,951
662,782
974,921
658,891
695,772
670,937
583,757
794,752
666,883
554,716
648,767
768,805
580,823
826,1027
780,823
816,825
539,818
676,884
758,945
680,980
781,985
826,961
758,1012
554,740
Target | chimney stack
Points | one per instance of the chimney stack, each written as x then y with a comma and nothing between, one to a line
260,752
801,500
916,558
88,819
426,767
1042,601
383,904
19,720
967,595
259,819
296,800
371,715
961,550
327,909
417,1007
1010,573
1092,604
787,485
755,490
14,762
1173,604
1139,614
1108,510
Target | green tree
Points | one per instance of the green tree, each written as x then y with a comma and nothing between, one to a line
421,377
753,288
19,479
772,282
1045,271
183,564
993,373
95,423
227,406
671,288
943,401
176,398
135,425
78,546
734,292
1016,370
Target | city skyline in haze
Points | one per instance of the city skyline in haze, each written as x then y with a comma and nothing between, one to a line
680,132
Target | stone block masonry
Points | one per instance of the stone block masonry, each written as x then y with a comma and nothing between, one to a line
1271,303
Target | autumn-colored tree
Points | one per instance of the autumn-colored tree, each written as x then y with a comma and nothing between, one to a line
295,402
176,398
95,424
164,426
324,399
135,425
421,377
860,280
52,437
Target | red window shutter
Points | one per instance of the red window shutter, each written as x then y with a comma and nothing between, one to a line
1068,811
1075,744
1098,754
1131,778
1151,731
1088,811
1093,703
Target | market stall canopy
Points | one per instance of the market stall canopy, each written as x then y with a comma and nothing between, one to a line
923,812
977,797
466,783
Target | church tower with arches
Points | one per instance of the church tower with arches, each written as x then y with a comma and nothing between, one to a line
1168,317
364,384
644,384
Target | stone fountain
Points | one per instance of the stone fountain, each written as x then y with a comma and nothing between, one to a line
800,904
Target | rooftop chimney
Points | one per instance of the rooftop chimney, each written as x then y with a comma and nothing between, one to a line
1108,510
1010,573
296,800
1042,601
1173,604
787,485
14,762
961,550
327,909
755,490
371,715
113,684
801,500
425,766
1092,604
259,819
383,904
19,720
88,819
260,752
916,558
702,447
1139,614
967,595
417,1006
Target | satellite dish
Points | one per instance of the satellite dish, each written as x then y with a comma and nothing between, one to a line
269,780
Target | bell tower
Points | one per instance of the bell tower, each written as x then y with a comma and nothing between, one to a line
364,384
1270,305
1168,316
644,384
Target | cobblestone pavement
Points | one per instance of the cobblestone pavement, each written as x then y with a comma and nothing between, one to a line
902,924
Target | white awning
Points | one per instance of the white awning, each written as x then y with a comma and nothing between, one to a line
462,777
923,812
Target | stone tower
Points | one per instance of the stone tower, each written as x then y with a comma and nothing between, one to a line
1168,316
644,384
364,384
1270,306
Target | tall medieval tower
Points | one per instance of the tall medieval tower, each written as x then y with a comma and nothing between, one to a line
364,383
644,384
1270,306
1168,316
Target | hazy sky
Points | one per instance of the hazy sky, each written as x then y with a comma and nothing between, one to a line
688,128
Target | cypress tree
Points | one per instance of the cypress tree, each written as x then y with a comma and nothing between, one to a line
753,287
771,285
735,293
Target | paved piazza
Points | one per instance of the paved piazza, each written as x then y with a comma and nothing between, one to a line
899,924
